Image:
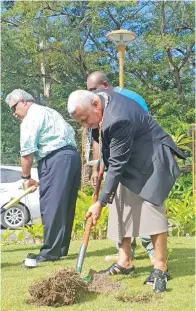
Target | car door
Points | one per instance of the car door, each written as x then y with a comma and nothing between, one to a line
10,185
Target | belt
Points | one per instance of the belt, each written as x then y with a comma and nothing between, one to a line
51,154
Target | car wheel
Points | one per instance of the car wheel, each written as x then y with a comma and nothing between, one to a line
15,217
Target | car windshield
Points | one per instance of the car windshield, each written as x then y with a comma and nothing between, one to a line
9,175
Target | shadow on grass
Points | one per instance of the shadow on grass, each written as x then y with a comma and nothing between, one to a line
181,261
11,264
97,253
140,257
34,247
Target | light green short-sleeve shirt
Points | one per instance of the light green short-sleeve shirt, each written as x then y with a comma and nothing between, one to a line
44,130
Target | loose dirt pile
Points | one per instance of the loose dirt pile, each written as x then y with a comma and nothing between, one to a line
64,286
140,298
58,290
101,283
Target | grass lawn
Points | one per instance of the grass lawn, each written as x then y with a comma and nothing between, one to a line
179,297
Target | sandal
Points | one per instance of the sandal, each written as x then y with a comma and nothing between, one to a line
117,269
154,273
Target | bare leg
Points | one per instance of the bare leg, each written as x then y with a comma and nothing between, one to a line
124,254
160,247
115,257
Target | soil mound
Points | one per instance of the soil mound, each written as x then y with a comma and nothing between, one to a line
64,286
58,290
101,283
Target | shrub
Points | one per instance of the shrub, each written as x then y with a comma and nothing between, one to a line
6,237
181,214
83,203
27,234
36,232
182,186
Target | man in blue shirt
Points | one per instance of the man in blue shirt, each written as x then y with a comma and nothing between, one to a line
97,80
47,138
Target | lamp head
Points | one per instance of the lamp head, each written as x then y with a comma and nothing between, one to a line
121,37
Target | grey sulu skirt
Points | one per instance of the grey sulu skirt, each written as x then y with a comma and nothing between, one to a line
132,216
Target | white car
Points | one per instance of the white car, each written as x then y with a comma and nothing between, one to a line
28,209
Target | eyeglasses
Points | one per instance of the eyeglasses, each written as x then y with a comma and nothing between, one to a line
92,89
13,108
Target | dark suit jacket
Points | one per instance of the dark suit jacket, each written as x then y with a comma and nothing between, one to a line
137,152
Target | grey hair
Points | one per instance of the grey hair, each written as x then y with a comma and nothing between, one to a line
18,94
80,98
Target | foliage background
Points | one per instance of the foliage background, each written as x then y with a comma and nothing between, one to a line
49,48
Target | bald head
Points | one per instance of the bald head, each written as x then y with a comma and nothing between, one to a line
97,80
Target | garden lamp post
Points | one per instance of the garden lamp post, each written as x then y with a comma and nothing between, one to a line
121,39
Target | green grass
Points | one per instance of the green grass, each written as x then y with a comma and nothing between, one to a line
179,297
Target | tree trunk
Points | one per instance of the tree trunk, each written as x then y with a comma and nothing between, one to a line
176,74
45,79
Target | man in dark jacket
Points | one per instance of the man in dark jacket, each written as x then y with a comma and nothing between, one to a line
97,80
140,156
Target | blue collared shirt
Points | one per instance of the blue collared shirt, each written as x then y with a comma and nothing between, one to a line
44,130
132,95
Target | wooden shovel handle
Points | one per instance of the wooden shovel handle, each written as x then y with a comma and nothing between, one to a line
15,200
88,227
89,221
98,185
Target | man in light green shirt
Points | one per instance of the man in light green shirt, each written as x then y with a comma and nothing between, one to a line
47,138
44,130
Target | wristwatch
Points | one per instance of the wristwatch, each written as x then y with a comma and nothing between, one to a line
26,177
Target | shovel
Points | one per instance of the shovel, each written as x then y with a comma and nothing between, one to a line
15,201
88,227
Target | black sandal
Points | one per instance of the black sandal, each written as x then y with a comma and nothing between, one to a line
154,273
117,269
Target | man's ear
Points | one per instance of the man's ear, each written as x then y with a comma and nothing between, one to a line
96,103
24,102
105,83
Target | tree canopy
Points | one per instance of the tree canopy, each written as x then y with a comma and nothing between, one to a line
50,47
